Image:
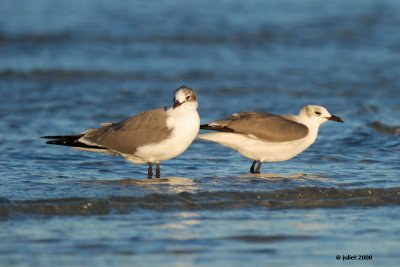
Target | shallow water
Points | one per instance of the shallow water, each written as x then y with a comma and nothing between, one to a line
69,65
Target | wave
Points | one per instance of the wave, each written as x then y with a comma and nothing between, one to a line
304,197
314,32
385,129
45,37
65,74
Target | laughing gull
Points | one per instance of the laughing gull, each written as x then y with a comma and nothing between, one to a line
268,137
148,137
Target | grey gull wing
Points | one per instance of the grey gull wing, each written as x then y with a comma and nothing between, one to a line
127,135
269,127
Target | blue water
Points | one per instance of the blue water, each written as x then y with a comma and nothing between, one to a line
66,66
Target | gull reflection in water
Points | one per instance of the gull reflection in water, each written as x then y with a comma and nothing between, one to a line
167,184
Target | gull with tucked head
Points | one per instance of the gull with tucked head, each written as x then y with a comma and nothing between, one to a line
148,137
265,137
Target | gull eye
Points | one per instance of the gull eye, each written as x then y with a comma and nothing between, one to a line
318,113
188,97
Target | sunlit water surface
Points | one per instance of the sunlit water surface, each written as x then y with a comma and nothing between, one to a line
69,65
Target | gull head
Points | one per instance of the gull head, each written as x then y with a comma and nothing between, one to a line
185,97
318,114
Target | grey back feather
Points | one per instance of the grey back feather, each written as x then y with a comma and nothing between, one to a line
269,127
127,135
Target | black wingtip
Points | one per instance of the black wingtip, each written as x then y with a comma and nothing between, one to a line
56,142
58,137
216,128
70,140
206,127
64,140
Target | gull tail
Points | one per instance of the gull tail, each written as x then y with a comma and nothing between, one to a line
71,141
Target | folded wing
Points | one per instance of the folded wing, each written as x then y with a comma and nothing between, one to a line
269,127
126,136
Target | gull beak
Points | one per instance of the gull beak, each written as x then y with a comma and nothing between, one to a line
335,118
177,104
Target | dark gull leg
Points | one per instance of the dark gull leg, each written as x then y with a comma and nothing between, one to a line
258,170
158,170
149,170
252,166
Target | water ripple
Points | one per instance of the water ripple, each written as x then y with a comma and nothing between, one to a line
304,197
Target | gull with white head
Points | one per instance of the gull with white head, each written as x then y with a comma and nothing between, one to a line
265,137
148,137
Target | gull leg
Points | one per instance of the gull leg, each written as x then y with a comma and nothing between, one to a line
158,170
258,170
252,166
149,170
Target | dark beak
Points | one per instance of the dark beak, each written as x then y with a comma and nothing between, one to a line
177,104
335,118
